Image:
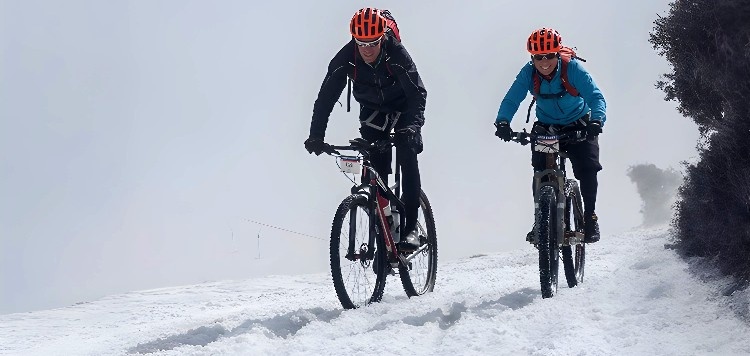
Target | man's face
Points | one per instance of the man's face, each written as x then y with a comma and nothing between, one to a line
369,50
545,63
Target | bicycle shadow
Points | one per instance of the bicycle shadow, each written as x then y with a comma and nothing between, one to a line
288,324
514,301
449,317
281,326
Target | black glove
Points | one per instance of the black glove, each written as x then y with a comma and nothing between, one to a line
315,145
383,145
503,130
594,128
410,136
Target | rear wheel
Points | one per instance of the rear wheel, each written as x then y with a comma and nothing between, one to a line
418,277
574,255
358,260
548,247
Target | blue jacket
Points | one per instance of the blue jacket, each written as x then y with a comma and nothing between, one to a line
559,111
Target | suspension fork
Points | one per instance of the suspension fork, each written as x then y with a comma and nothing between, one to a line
352,231
372,228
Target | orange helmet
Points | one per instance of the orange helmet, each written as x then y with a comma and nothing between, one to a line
544,40
367,24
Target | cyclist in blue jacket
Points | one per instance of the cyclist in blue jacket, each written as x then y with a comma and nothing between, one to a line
557,110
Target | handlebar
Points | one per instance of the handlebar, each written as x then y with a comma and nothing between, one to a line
525,138
361,145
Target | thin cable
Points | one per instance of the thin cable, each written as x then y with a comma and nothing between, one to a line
286,230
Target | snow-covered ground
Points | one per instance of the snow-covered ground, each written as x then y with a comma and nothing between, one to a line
638,298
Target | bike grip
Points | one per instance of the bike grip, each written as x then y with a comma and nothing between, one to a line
521,137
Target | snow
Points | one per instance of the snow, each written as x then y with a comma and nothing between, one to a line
638,298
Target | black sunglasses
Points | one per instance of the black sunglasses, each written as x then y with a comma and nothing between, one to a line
539,57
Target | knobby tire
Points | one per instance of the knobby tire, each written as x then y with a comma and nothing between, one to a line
574,256
361,282
547,243
419,277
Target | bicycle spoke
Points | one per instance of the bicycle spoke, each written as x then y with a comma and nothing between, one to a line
356,279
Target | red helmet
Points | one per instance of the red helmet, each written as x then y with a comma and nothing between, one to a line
544,40
367,24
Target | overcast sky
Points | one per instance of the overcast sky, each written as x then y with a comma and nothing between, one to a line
138,140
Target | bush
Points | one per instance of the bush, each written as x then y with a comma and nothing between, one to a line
707,42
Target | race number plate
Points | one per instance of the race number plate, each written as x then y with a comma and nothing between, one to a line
547,146
351,164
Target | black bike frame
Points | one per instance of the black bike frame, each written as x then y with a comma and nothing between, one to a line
553,175
372,186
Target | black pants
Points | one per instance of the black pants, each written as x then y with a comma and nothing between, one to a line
584,156
406,157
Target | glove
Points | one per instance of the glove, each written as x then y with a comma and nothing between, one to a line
594,128
383,145
315,145
410,136
503,130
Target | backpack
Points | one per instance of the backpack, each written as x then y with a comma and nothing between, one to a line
566,55
392,30
390,24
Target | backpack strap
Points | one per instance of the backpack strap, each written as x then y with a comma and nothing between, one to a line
351,75
348,95
387,64
569,88
528,114
349,80
352,72
564,77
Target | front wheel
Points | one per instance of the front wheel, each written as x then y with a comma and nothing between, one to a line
418,276
358,260
548,247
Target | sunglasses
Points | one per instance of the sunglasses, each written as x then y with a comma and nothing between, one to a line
539,57
368,44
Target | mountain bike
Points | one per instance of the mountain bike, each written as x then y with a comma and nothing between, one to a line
366,228
558,225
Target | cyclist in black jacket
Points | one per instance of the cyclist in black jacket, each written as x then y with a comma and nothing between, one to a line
391,97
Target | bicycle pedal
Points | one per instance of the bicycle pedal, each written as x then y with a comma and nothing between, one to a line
573,238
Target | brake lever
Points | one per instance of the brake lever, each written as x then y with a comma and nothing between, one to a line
329,150
522,137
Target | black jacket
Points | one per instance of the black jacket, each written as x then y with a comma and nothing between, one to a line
393,84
